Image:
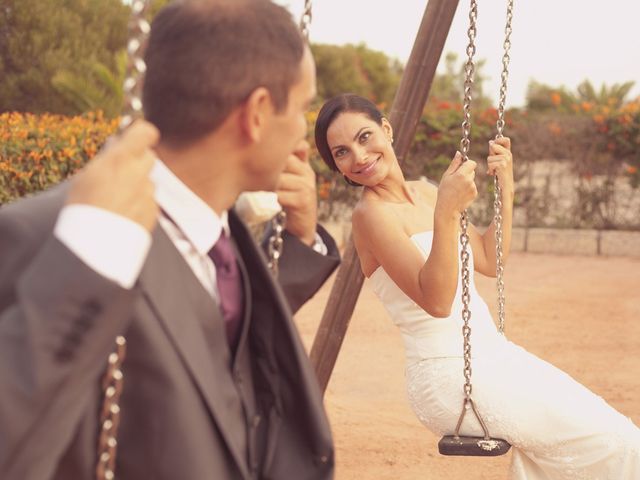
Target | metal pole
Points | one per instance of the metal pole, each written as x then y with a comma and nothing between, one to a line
406,110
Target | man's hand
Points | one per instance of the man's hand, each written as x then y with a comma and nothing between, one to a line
296,192
117,179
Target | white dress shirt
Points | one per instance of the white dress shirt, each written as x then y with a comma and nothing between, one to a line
117,247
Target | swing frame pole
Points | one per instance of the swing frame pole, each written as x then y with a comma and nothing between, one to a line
405,113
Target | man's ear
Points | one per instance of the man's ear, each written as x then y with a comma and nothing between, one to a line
256,111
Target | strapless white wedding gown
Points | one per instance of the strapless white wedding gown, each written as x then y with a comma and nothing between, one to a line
557,427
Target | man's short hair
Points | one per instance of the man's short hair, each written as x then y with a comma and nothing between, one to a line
205,57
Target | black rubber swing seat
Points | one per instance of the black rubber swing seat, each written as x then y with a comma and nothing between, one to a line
472,446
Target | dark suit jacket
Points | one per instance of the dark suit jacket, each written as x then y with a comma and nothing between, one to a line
189,409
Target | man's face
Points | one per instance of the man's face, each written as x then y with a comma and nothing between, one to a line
285,129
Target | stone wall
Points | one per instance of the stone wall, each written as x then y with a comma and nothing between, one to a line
546,240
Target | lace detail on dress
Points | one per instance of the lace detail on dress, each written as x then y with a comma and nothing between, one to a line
559,429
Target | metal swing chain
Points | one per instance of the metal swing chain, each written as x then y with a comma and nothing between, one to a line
275,245
110,412
497,204
278,223
469,70
112,381
305,19
139,29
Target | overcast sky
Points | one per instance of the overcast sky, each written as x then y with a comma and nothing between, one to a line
557,42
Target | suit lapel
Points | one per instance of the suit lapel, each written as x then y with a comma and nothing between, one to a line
193,321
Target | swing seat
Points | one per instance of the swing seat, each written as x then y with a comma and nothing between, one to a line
472,446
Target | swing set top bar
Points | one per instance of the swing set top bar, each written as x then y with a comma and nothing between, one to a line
406,110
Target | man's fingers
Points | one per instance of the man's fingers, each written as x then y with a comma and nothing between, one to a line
302,151
290,182
139,137
130,152
297,166
287,198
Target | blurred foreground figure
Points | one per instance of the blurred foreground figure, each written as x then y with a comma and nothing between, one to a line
144,243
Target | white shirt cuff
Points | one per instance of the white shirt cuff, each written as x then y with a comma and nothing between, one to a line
111,245
319,245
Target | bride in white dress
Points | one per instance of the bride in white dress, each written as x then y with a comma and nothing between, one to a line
406,236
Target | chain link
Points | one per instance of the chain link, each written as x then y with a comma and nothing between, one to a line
504,76
112,382
497,203
276,243
305,19
469,70
138,32
278,222
110,412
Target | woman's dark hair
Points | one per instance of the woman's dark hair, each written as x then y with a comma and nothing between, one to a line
346,102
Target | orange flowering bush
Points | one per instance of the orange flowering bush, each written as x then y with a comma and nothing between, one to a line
37,151
620,130
439,133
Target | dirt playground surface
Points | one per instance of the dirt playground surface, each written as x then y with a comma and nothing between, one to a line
580,313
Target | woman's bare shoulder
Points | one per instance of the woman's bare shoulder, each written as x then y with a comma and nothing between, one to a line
427,189
427,186
368,213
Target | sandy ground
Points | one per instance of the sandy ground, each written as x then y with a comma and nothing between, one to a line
579,313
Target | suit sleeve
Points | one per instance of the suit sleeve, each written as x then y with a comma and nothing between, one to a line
302,271
58,322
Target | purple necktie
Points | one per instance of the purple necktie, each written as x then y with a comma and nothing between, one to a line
229,286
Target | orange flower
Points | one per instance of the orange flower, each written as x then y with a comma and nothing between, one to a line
35,155
556,99
625,119
587,106
324,190
68,152
631,170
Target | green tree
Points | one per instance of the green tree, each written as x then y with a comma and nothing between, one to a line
97,88
613,96
542,98
448,85
355,69
40,38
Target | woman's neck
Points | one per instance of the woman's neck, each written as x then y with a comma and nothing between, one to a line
394,188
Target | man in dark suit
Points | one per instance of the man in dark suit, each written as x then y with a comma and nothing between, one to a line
216,385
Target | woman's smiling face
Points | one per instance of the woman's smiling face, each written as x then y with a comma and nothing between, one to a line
361,148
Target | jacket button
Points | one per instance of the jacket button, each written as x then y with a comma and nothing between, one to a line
256,421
